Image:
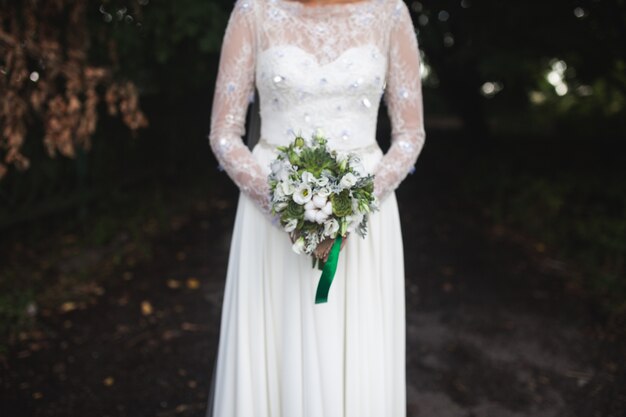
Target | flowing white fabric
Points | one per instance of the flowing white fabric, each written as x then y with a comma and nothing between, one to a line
316,68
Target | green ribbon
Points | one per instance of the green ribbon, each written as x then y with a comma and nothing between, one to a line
328,272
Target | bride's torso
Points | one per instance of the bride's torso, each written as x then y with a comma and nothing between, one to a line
321,67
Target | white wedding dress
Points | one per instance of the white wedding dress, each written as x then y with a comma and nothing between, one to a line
315,67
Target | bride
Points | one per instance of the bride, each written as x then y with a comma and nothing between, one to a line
320,66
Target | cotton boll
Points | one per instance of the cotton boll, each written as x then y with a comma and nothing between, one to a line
319,201
320,217
328,208
309,206
310,215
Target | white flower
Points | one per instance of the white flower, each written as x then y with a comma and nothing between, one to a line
322,181
331,227
348,180
319,201
308,178
298,245
291,225
356,206
287,187
324,192
280,206
320,217
303,194
342,159
340,155
353,221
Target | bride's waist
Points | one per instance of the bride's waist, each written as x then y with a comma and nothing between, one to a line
346,147
265,152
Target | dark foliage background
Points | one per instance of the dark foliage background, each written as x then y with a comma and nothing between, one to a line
529,96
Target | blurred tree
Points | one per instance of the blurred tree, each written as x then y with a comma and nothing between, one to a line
170,47
518,65
568,53
46,75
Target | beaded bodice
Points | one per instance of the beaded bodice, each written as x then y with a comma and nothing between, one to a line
318,67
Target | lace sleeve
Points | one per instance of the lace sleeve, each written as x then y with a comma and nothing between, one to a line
234,86
403,97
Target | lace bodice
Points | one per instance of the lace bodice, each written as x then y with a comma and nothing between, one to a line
318,67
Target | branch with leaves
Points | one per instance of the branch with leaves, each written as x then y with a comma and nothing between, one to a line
46,76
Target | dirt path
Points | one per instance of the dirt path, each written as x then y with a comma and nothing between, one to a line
490,331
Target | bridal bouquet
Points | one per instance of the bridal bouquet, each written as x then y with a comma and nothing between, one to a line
320,194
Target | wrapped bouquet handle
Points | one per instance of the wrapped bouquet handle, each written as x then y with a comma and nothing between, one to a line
328,272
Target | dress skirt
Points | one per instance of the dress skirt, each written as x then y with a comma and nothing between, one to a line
282,355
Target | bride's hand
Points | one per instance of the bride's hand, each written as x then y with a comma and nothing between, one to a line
323,248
